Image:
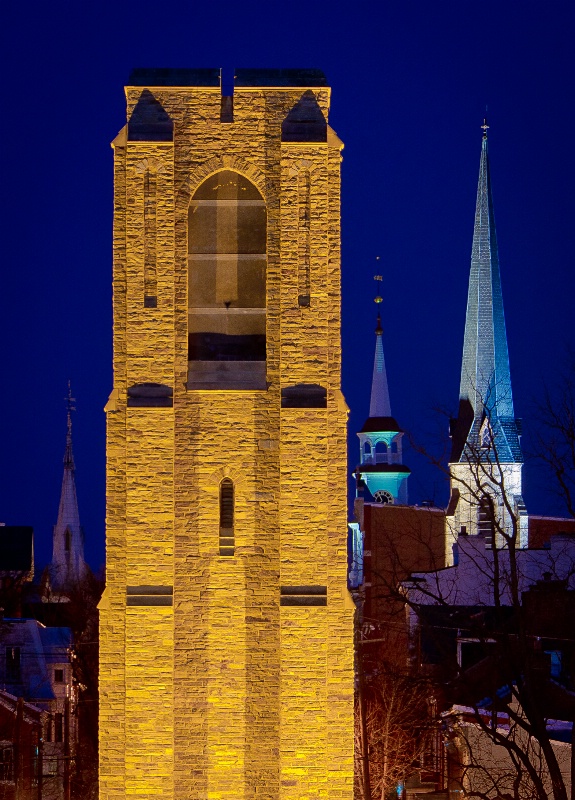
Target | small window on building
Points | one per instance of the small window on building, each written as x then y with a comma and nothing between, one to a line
58,727
227,538
59,676
554,662
6,765
394,447
367,449
13,666
48,729
67,540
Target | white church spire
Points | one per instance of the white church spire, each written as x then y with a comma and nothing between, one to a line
379,405
381,469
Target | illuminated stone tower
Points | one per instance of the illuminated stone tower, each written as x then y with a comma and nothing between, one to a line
486,458
226,627
381,468
67,568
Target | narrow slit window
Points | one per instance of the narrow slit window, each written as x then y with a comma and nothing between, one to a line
227,538
304,213
485,520
150,287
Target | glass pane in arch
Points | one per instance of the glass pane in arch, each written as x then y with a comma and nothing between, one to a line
227,270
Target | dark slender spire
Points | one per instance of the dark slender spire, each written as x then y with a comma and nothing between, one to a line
485,388
68,566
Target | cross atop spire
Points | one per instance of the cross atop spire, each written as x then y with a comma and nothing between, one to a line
70,406
485,387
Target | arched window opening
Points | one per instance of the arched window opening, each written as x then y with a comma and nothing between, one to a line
227,538
381,453
367,449
67,539
394,447
227,271
485,520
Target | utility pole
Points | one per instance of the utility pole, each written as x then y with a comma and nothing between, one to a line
361,700
67,748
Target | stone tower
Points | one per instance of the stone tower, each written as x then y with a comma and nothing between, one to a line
67,568
486,459
381,469
226,627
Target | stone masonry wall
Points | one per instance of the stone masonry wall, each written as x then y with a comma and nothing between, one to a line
215,690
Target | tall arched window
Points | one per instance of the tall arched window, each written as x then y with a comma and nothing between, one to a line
227,271
227,538
67,539
381,453
485,520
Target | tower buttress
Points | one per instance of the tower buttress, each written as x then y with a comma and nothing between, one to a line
486,458
381,468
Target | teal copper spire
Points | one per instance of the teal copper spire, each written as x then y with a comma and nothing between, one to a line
485,396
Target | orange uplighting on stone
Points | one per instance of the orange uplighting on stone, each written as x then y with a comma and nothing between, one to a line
226,649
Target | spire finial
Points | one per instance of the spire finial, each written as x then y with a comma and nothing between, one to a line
378,279
485,126
378,299
70,407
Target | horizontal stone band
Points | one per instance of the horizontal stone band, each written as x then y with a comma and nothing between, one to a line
303,595
133,590
149,600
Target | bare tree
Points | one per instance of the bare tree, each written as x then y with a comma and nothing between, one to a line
488,592
554,444
397,722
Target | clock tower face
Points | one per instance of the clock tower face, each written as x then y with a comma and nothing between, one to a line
383,497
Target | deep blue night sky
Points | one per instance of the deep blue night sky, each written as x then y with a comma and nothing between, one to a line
410,83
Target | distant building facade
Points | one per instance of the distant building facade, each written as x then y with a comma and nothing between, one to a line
35,665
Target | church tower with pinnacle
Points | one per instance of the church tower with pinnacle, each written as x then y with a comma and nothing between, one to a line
67,568
486,459
226,645
381,466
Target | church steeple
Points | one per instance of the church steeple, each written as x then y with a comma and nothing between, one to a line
485,396
381,469
485,431
68,566
379,405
